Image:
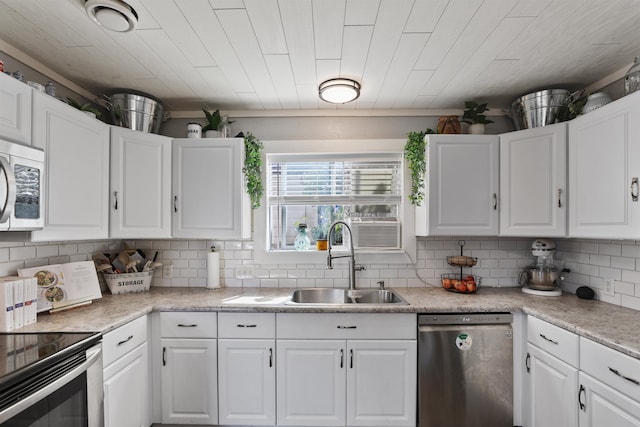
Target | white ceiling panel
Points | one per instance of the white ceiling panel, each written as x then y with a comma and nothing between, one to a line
173,22
392,17
425,15
237,27
272,54
452,23
328,22
355,46
297,22
361,12
265,18
282,76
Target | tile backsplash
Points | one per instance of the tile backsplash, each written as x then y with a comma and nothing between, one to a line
500,259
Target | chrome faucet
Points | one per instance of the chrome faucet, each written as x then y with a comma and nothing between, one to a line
352,257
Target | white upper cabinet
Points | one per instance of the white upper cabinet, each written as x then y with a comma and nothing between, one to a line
533,182
15,110
604,148
462,186
76,184
209,197
140,194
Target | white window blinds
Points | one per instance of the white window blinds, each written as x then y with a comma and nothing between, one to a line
334,179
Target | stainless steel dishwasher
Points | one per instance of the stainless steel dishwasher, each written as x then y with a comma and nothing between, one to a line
465,370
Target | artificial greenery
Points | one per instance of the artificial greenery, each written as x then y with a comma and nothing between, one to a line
214,120
84,107
473,113
414,152
253,169
319,232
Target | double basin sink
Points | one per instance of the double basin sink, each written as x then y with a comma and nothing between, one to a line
328,296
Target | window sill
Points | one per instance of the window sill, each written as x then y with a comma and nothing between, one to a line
320,257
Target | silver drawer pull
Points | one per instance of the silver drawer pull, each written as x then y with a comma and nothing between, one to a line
548,339
632,380
346,327
129,338
191,325
247,326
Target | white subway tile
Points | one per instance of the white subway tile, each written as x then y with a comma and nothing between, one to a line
21,253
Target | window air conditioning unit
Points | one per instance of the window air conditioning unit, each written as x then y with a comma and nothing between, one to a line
375,233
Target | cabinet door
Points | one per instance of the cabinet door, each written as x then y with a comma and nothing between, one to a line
601,405
381,383
210,200
189,381
247,382
140,192
311,383
533,182
126,390
552,390
463,183
15,110
76,184
604,146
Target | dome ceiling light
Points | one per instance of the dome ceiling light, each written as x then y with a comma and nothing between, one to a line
114,15
339,91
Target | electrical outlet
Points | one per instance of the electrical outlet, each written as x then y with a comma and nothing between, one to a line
167,271
609,287
244,272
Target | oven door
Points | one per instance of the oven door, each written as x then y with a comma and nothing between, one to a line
71,400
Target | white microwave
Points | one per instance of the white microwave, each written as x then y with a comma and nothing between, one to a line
21,177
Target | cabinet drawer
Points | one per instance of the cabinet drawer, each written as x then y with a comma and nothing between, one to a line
554,340
119,342
188,324
346,326
613,368
247,325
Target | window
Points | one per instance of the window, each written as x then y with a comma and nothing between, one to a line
318,189
316,182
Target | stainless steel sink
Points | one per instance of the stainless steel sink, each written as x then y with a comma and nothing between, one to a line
323,296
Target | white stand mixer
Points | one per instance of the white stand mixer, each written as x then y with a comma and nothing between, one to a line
544,277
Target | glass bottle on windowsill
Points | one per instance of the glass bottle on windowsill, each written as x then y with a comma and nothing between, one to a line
302,242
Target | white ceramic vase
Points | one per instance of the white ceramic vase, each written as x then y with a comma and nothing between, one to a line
211,134
476,129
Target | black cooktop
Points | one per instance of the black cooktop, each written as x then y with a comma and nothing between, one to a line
23,353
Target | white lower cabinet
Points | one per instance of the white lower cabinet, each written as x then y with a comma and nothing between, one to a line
126,376
246,369
601,405
609,393
188,372
552,390
366,378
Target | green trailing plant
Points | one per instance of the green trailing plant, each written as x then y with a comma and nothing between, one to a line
415,153
214,120
473,113
253,169
84,107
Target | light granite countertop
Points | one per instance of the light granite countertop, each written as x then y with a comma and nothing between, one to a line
611,325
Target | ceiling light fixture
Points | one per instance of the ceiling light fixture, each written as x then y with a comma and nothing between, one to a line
339,91
114,15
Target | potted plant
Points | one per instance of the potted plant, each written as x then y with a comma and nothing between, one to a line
473,115
415,153
87,108
319,233
217,125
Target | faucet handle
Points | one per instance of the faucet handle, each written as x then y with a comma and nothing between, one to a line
359,268
381,284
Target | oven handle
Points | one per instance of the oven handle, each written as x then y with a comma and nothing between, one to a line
94,355
10,201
